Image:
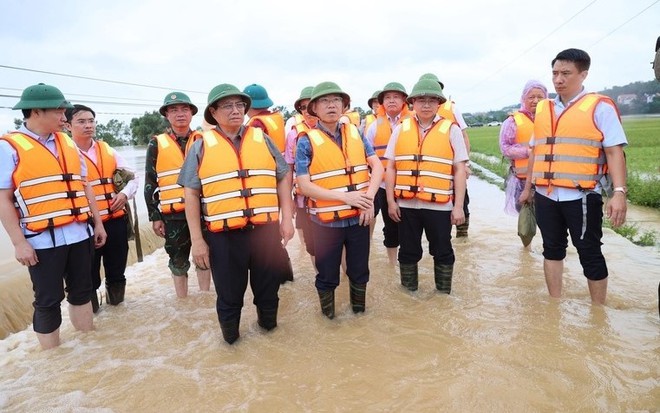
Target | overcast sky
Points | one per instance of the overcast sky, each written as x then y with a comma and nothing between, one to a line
484,51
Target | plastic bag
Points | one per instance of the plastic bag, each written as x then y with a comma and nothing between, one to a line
527,223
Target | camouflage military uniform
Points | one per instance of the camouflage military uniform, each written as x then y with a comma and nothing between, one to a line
177,235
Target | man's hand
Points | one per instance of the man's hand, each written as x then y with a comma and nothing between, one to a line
159,228
526,196
200,254
457,216
394,211
286,231
25,254
99,236
359,200
616,209
118,202
366,216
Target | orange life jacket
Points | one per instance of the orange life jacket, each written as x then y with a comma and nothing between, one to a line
424,166
354,117
342,169
301,129
368,120
168,166
99,176
238,187
384,131
49,190
274,123
568,150
524,131
446,110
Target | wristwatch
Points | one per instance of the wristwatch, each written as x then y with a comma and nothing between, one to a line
621,189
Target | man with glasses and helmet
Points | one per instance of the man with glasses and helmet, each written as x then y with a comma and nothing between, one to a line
237,180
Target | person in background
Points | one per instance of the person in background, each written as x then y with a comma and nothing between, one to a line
272,124
448,110
237,179
102,161
371,117
425,184
515,133
577,151
332,167
392,110
164,196
46,207
306,122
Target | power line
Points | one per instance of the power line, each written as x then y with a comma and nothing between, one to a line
624,23
532,47
98,102
93,96
98,79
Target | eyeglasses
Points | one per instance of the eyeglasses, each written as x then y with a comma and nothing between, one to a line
427,101
303,107
326,101
228,107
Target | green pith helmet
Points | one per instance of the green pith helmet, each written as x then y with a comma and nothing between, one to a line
42,96
373,97
432,77
324,89
306,93
222,91
176,98
259,96
427,87
392,87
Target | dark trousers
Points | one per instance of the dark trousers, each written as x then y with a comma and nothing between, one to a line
466,203
556,218
390,228
114,253
437,227
236,253
329,244
68,263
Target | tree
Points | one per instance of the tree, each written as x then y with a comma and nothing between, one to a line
17,123
114,133
284,111
146,126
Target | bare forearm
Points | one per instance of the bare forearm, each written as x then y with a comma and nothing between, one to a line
284,196
9,218
390,181
616,164
460,178
193,213
89,193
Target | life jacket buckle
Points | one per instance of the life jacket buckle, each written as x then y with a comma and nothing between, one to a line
246,192
243,173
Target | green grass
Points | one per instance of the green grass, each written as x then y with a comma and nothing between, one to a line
642,154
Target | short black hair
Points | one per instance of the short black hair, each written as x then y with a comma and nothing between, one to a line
75,109
579,57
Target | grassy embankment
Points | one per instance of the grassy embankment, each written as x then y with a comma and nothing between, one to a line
642,154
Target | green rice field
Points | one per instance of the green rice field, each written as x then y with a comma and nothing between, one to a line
642,156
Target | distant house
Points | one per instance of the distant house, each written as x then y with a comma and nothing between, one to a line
650,97
626,99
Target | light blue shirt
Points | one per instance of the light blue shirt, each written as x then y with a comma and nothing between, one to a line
64,235
607,121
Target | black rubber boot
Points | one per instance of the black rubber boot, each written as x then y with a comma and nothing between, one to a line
114,293
409,276
443,275
327,299
95,302
462,230
358,294
230,330
267,319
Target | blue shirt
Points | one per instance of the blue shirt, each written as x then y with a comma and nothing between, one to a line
64,235
304,159
607,121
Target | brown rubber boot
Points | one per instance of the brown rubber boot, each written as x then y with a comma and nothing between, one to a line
443,275
409,276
